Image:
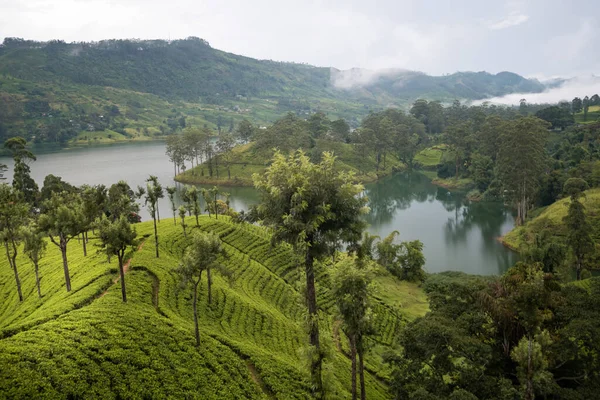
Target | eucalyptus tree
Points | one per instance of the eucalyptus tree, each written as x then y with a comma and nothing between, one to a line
22,179
579,229
14,212
117,236
192,199
225,145
152,193
171,190
182,217
34,247
521,160
158,191
351,288
311,206
62,220
201,255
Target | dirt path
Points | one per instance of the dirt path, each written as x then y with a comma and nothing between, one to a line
125,270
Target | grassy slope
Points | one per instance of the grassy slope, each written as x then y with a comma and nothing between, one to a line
85,344
551,218
593,116
247,160
429,159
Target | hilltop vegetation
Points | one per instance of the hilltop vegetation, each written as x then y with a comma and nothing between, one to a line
89,343
53,91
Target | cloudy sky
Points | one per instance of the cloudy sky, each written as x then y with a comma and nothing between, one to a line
533,38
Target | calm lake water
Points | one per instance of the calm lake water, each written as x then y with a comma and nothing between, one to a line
457,234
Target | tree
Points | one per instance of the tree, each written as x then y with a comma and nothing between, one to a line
482,171
557,116
171,190
182,217
521,160
55,184
576,105
117,236
201,255
62,221
579,230
22,180
313,207
351,287
34,248
121,201
192,200
586,107
340,131
245,131
225,144
3,169
152,193
458,138
595,100
13,215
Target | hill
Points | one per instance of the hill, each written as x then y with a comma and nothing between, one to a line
51,91
89,344
550,219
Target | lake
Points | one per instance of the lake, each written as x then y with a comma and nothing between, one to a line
457,234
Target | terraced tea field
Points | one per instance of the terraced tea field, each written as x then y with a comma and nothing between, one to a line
89,344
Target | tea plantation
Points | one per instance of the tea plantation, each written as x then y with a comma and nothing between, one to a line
89,344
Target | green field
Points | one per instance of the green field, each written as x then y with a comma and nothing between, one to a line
430,157
592,116
550,218
89,344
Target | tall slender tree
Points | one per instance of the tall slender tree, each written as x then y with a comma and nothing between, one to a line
22,179
152,193
579,229
351,288
13,215
171,190
62,221
201,255
311,206
34,248
521,160
117,236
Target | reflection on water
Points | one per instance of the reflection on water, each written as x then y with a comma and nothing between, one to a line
457,234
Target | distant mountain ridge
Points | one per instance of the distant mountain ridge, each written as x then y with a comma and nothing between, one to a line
190,69
137,89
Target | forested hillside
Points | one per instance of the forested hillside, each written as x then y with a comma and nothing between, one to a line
54,91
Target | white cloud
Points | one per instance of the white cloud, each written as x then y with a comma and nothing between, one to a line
513,19
577,87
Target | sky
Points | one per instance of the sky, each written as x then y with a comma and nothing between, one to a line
539,39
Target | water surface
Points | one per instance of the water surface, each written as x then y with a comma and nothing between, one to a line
457,234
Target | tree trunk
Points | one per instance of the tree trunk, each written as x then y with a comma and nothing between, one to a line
209,286
37,278
361,372
197,331
529,393
174,169
457,166
228,172
157,211
120,255
197,224
63,250
352,339
11,262
578,268
84,245
155,235
311,301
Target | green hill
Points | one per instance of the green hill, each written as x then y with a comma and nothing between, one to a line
89,344
551,220
51,91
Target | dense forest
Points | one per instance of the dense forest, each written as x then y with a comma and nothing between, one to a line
293,298
57,92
